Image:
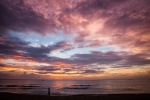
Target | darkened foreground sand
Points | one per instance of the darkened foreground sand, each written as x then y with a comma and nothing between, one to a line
11,96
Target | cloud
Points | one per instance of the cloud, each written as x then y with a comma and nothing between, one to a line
112,59
138,59
114,20
92,24
2,65
92,72
98,58
13,46
121,23
40,17
93,7
48,68
17,16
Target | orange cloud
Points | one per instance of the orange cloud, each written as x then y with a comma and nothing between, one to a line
62,64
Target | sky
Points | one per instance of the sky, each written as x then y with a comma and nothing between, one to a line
74,39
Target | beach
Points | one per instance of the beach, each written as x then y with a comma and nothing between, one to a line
13,96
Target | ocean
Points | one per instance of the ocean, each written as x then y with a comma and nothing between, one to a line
74,87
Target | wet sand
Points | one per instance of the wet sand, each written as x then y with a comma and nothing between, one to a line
12,96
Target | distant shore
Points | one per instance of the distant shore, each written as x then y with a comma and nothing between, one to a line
12,96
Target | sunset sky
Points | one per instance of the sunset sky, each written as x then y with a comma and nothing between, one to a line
74,39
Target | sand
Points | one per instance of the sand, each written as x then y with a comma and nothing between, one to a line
12,96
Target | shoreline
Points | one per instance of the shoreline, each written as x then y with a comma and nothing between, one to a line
14,96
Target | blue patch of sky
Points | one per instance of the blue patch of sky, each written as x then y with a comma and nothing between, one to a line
37,39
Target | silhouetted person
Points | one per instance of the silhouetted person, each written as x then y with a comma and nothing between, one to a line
49,91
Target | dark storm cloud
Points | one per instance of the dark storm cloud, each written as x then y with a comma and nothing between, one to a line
13,46
15,15
138,59
112,59
98,57
43,51
34,52
92,72
48,68
2,65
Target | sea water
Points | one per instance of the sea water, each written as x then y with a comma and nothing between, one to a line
75,87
